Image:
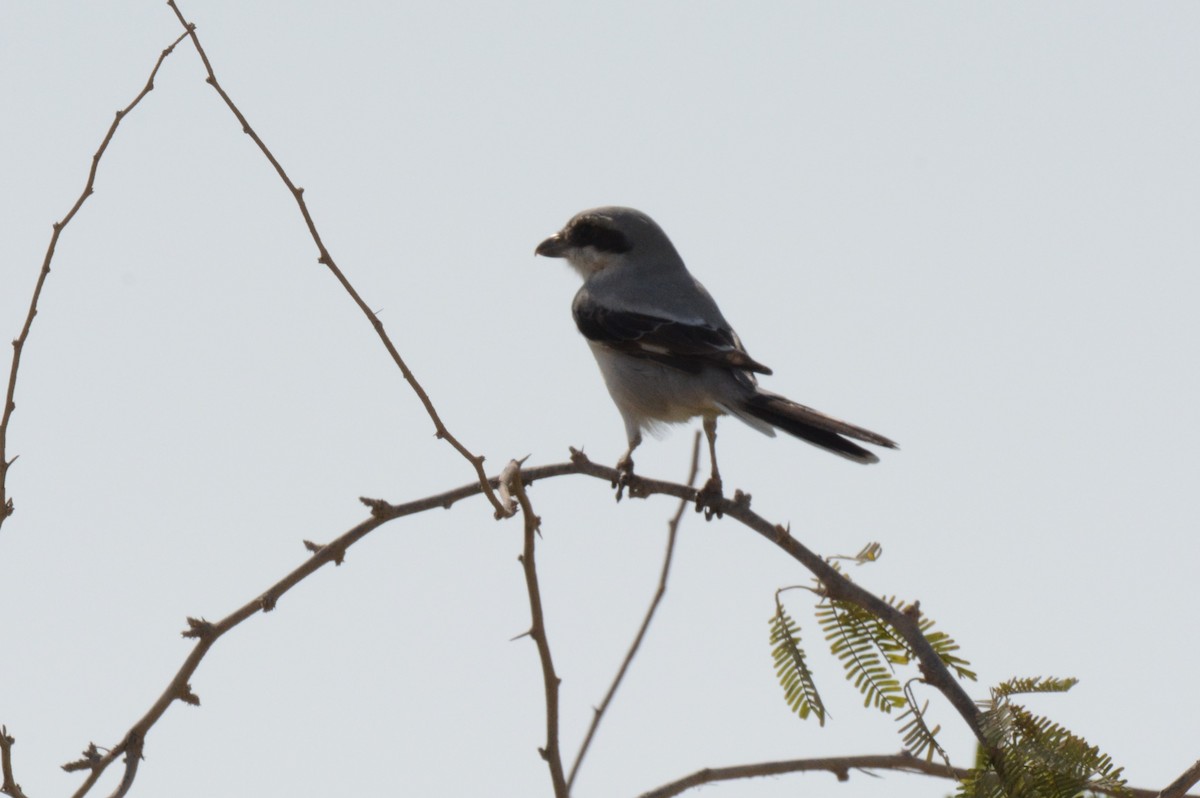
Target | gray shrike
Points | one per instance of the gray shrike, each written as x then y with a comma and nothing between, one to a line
666,352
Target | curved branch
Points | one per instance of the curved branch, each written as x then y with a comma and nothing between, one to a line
133,756
326,259
511,478
738,508
6,503
834,583
840,766
8,785
207,634
672,531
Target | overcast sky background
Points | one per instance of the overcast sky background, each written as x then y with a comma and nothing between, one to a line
971,227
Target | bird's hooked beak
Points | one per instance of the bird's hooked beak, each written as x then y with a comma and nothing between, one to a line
553,247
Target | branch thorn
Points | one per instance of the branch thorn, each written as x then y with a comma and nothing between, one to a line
198,628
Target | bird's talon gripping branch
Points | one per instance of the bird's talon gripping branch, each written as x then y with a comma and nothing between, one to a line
709,499
625,475
625,479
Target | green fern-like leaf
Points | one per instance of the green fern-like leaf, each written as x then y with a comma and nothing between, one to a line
791,666
919,739
867,663
894,647
1034,684
981,781
1068,761
943,645
1042,759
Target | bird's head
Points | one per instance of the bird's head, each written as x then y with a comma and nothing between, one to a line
600,238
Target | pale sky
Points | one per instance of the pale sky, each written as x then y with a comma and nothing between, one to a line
969,226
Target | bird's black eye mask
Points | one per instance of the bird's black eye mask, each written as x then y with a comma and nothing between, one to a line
587,233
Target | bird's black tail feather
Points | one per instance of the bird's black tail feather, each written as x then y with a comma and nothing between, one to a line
813,426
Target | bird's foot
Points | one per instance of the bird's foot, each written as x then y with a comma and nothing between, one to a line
709,498
625,477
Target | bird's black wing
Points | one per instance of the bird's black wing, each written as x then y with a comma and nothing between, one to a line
681,345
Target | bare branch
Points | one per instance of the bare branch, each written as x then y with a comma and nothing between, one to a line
9,785
90,758
133,756
207,633
839,766
903,762
511,477
672,531
326,259
1185,782
6,503
835,584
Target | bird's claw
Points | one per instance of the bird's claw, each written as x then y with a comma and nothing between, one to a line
709,499
625,476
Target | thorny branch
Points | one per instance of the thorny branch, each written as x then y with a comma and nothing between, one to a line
326,259
552,753
207,633
835,584
6,502
133,755
841,766
672,531
8,785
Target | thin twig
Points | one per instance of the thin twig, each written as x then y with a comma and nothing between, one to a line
9,785
841,766
672,530
6,503
207,634
133,756
1185,782
326,259
537,630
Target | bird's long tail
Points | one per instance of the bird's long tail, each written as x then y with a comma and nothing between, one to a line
813,426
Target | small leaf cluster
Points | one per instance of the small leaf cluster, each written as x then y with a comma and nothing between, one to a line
1041,759
1038,758
871,653
791,665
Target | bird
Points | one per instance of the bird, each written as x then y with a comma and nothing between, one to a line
664,348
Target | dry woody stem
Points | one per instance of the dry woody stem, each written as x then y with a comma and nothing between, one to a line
552,753
326,259
672,532
207,633
18,344
8,785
